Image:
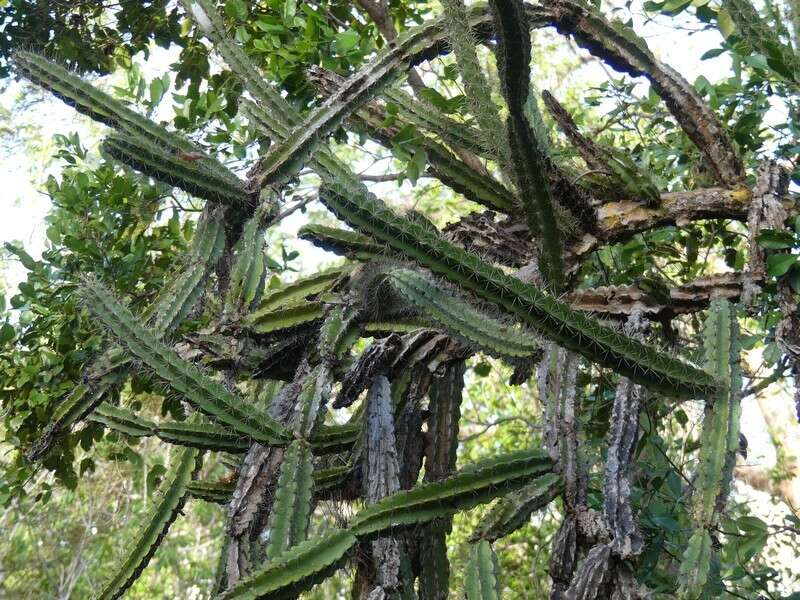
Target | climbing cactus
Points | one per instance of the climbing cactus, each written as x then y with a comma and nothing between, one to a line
719,443
265,364
147,540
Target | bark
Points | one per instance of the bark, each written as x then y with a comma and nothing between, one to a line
766,212
621,441
507,241
381,479
440,461
251,500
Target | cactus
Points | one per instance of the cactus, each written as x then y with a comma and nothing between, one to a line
172,305
720,434
206,436
514,510
549,317
527,153
619,46
429,118
592,576
479,94
444,165
298,568
481,581
282,454
464,180
247,275
286,159
147,540
199,390
719,443
327,439
295,292
163,164
101,107
440,461
461,318
182,293
621,440
292,505
216,492
342,242
470,487
123,421
311,402
605,160
695,565
286,318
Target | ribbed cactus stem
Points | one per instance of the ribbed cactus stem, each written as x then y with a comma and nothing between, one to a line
481,581
166,510
719,443
179,170
199,390
248,272
183,291
291,508
98,105
552,319
458,316
528,154
479,92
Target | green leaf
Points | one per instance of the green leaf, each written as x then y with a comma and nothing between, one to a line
346,41
779,264
6,333
776,240
725,23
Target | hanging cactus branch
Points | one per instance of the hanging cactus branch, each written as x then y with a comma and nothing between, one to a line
199,390
153,531
547,316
